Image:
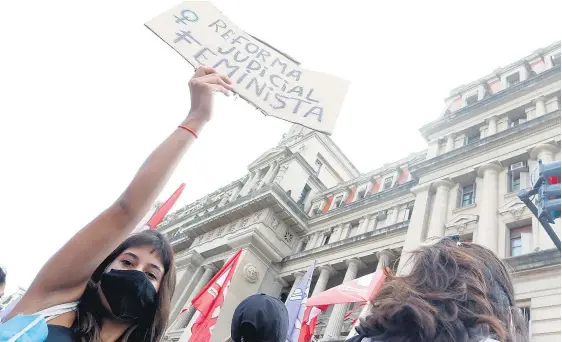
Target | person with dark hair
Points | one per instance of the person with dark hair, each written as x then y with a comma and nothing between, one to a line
2,281
259,318
123,284
455,291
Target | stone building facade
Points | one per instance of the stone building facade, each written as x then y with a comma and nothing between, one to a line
303,200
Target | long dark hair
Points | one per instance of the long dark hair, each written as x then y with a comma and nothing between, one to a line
454,292
89,317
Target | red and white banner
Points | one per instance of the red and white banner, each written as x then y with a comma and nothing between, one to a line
158,212
309,320
354,291
209,301
360,290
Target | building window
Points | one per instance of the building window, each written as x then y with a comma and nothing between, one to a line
318,166
472,99
304,194
517,122
515,175
512,79
337,202
467,195
362,191
471,138
315,211
519,240
387,182
327,239
555,59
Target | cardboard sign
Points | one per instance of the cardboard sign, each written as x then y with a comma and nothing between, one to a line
263,76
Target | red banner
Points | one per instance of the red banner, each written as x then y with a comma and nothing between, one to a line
209,301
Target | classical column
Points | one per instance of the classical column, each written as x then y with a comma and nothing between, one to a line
191,262
298,278
345,231
393,217
530,113
492,125
245,188
210,271
224,199
325,272
440,206
417,225
335,323
363,225
488,225
311,241
300,245
432,149
385,259
450,143
335,236
552,104
545,153
235,193
278,284
540,106
271,173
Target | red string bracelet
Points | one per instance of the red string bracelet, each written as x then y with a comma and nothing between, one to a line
189,130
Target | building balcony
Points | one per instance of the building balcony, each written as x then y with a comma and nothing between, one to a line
529,261
394,192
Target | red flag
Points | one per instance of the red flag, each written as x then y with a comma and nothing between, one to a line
209,301
309,320
165,208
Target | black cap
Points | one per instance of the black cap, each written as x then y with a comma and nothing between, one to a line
260,318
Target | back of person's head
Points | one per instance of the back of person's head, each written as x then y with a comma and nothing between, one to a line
139,293
260,318
455,292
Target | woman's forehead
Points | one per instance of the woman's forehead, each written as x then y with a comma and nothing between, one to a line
146,254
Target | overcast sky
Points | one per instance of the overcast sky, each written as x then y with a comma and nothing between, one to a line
87,92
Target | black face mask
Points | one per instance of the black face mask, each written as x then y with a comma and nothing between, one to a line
129,293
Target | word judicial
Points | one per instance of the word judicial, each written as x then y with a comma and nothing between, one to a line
262,75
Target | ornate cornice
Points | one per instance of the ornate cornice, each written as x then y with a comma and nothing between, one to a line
507,136
332,246
449,120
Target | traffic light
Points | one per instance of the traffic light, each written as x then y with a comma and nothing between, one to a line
549,191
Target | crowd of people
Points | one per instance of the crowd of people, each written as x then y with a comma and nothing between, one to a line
107,285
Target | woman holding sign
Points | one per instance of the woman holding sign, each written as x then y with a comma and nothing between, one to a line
103,285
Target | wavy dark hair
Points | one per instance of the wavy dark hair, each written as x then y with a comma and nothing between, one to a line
89,317
454,292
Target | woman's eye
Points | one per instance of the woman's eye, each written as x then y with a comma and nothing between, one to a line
126,263
151,276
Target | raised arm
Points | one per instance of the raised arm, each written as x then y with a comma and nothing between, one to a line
64,277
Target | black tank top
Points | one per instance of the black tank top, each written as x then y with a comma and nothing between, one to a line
58,333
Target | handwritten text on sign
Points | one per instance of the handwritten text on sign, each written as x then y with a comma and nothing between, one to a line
270,80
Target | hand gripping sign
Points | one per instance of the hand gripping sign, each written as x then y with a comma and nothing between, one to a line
263,76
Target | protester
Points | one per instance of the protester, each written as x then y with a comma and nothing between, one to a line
455,292
259,318
2,281
124,285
